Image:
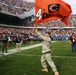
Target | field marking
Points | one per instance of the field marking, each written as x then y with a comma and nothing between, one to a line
40,56
12,51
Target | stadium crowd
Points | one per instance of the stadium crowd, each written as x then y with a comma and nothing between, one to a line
58,34
57,23
22,6
15,6
19,7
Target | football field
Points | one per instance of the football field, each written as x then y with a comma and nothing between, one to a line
28,62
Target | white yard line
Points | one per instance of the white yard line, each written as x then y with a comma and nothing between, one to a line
40,56
23,48
12,51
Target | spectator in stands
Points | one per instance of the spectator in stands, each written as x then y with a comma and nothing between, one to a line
4,43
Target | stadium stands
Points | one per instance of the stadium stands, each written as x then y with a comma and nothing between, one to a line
21,6
57,34
15,6
60,30
58,23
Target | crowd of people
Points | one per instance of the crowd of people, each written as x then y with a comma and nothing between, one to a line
15,6
22,6
57,34
58,23
25,34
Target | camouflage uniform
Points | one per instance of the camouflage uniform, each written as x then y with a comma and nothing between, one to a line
46,52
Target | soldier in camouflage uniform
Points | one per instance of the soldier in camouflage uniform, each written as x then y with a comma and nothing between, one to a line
46,52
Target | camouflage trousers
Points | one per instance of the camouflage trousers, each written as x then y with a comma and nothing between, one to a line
47,57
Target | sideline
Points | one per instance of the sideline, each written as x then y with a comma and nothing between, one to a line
22,49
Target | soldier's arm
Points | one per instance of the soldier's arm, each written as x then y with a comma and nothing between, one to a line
42,36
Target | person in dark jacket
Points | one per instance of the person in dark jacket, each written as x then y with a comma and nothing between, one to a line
72,41
18,42
4,43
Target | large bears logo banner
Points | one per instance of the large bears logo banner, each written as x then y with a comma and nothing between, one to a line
47,10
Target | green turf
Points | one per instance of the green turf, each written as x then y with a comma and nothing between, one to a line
28,62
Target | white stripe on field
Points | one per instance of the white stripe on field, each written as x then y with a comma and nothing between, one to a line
40,56
22,48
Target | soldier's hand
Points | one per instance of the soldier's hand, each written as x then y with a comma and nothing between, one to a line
36,30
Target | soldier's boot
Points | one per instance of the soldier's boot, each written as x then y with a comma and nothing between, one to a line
45,70
56,73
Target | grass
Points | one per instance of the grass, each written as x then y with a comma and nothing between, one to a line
28,62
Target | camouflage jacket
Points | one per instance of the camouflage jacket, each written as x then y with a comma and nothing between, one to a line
46,42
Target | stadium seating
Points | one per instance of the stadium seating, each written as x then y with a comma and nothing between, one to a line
15,6
59,34
20,6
